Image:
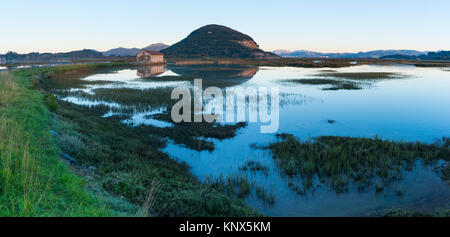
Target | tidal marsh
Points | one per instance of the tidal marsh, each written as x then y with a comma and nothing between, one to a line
105,126
128,159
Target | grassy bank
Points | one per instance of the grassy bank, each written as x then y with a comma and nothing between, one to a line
125,161
34,181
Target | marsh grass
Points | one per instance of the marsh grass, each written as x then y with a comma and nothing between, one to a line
334,84
33,179
314,81
345,80
343,162
240,187
362,75
344,86
169,78
445,173
405,212
255,167
147,208
130,100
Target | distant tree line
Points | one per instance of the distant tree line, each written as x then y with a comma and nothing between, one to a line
35,56
440,55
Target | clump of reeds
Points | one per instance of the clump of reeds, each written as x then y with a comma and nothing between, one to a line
334,84
240,187
254,166
362,75
342,161
147,208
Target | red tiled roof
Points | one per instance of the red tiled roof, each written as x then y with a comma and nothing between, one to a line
151,52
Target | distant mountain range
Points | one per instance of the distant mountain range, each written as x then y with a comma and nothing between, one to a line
133,51
216,41
368,54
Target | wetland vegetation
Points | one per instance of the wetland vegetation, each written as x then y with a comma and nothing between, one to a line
332,84
335,80
361,75
240,187
343,163
403,212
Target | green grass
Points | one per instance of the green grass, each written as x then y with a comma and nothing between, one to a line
34,181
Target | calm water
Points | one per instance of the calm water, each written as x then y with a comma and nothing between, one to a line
415,108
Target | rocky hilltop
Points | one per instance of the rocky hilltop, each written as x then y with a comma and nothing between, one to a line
216,41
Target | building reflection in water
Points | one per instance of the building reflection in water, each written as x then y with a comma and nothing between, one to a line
150,71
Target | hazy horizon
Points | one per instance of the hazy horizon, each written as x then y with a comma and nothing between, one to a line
326,26
267,50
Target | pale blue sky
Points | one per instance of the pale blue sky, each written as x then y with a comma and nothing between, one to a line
331,26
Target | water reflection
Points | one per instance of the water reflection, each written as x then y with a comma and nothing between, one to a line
207,72
150,71
218,75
